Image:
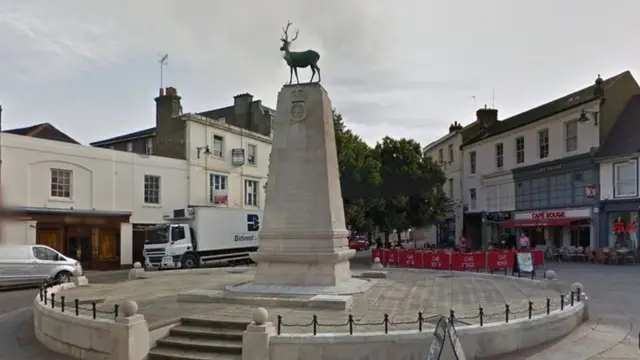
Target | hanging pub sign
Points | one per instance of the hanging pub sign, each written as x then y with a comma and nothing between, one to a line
590,191
237,157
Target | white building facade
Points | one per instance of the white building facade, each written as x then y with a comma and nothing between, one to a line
83,201
446,152
228,166
534,175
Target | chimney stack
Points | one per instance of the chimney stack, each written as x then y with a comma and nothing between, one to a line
487,116
242,108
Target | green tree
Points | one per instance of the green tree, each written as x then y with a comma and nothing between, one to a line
411,186
359,176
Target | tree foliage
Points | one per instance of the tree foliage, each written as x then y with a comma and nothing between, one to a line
391,186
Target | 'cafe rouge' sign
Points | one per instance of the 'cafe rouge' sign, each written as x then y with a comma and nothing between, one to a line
548,215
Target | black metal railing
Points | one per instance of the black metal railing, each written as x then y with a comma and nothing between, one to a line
507,314
73,307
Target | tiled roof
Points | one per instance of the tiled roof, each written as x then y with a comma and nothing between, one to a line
543,111
42,131
624,137
125,137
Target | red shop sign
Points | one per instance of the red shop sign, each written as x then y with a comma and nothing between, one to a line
500,260
548,215
467,261
436,260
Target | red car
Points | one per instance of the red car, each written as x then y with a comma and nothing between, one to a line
358,243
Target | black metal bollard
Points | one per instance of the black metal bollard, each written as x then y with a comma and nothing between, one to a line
115,310
420,321
548,306
505,271
579,293
533,275
350,324
452,315
506,312
93,310
386,323
62,303
481,313
53,300
544,274
315,324
518,273
561,301
41,294
45,296
530,308
279,324
77,303
572,296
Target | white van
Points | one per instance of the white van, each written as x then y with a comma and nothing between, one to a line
33,264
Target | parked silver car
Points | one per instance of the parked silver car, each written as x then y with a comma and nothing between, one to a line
33,264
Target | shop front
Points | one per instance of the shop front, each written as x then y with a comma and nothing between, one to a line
91,237
619,223
497,236
555,227
446,231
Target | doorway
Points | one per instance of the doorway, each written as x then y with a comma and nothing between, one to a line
79,248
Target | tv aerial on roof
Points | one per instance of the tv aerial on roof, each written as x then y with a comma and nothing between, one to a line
163,59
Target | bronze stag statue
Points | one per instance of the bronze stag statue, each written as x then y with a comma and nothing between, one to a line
298,59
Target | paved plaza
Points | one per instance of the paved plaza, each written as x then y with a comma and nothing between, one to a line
402,295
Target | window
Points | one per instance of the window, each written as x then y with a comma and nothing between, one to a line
523,195
129,146
61,181
451,153
560,190
251,192
450,188
520,150
539,192
625,178
218,146
151,189
492,197
505,193
499,155
218,191
149,146
472,162
251,154
571,135
45,254
441,156
472,199
543,143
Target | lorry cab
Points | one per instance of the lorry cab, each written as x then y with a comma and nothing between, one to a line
166,244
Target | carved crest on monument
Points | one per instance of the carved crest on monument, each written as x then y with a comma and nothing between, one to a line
298,105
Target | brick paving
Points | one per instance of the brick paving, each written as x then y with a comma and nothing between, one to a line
402,295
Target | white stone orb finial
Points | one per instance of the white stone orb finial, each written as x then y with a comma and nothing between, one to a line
77,272
129,308
137,265
260,316
575,286
550,275
376,260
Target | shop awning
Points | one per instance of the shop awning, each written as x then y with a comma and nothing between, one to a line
536,223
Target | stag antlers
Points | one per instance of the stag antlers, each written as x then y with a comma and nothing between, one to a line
285,31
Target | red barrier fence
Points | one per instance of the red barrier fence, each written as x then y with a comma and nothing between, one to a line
456,261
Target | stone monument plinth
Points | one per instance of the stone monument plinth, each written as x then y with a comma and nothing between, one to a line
303,237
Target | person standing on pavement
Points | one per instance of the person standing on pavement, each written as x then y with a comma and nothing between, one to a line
524,241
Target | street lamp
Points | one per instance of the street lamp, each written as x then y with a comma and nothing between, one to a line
204,150
584,118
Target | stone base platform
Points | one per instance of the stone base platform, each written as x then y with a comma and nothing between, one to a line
326,302
317,297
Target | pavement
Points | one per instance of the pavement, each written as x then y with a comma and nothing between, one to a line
610,334
401,296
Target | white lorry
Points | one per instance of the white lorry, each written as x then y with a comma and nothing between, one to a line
197,236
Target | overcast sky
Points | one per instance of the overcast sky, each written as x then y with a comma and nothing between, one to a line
400,68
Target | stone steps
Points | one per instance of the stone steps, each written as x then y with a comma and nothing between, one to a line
199,339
